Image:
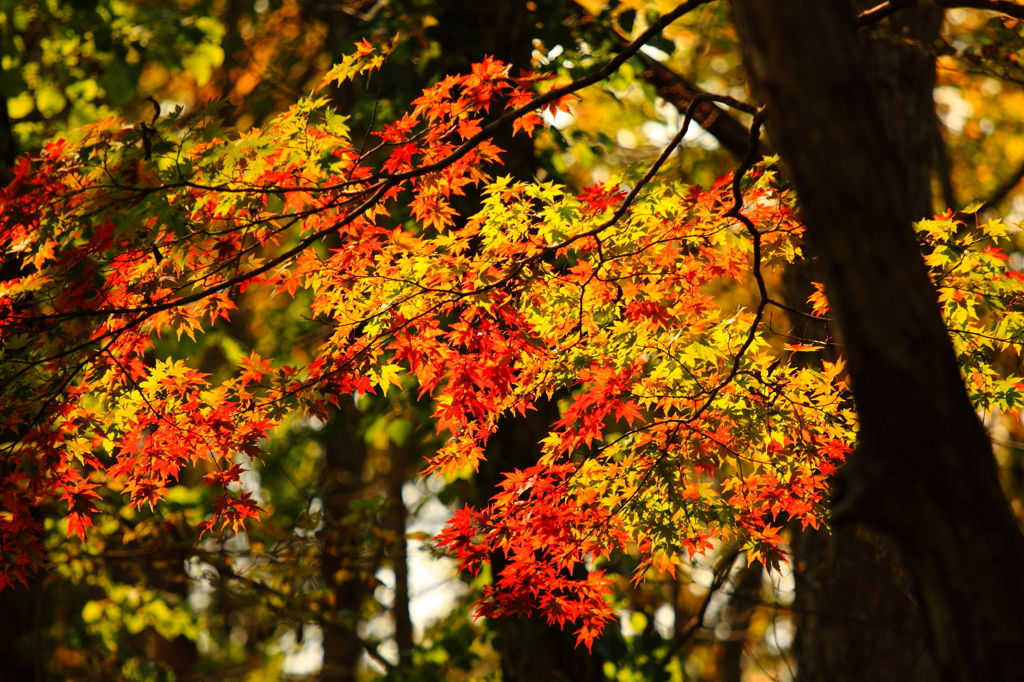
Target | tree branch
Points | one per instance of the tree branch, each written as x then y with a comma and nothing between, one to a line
378,190
673,88
721,574
879,12
1003,190
556,94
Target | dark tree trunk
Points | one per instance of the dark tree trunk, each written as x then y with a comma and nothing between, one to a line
745,597
345,456
855,616
468,31
234,60
8,145
923,470
21,646
900,66
530,649
397,550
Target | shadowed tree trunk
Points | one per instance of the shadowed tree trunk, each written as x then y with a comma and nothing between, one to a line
923,471
8,145
402,457
530,649
469,31
745,597
856,618
344,458
20,645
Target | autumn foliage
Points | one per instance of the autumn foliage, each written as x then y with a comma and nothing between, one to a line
648,310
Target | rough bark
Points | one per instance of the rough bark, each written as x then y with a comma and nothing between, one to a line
923,470
855,616
900,67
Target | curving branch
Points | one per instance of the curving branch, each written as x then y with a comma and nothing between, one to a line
721,573
1003,190
556,94
673,88
890,7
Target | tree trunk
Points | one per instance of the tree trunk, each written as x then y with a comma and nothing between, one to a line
401,456
923,470
8,144
855,617
745,597
468,31
21,645
854,613
530,649
345,455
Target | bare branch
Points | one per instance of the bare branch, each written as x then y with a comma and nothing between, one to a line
721,574
1003,190
675,89
879,12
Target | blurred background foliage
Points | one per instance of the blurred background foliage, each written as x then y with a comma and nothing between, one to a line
339,581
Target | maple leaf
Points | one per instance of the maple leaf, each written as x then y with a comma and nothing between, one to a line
231,511
77,523
390,375
819,304
363,48
527,123
563,103
432,210
225,476
600,198
401,158
255,368
995,252
468,127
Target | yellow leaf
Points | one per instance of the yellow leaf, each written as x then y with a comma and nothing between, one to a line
389,374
